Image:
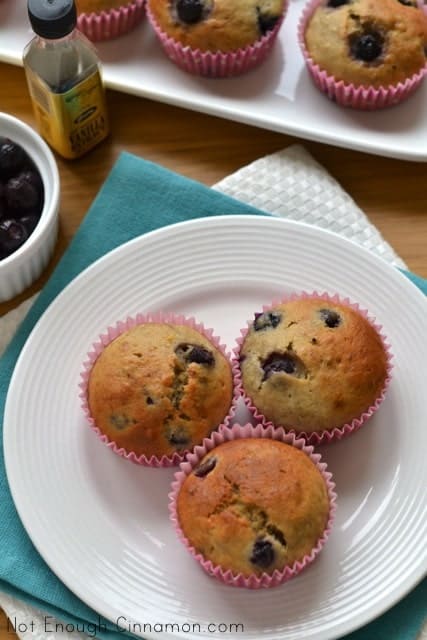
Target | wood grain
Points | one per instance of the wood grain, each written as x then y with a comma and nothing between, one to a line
6,632
393,193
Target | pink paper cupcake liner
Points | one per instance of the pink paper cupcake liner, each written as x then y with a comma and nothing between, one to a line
111,333
216,64
113,23
236,431
350,95
322,436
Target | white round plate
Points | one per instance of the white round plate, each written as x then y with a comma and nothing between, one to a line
102,523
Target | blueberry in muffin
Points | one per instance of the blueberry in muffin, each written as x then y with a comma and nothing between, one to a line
191,11
159,389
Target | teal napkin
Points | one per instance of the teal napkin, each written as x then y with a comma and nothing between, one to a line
137,197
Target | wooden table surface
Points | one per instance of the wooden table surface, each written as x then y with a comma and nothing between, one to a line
392,193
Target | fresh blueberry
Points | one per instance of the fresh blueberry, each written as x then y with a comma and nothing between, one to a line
21,193
267,320
33,177
367,47
332,319
205,467
408,3
12,156
29,221
12,235
2,207
190,11
21,196
262,553
278,362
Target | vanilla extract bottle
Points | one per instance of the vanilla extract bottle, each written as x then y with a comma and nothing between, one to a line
64,80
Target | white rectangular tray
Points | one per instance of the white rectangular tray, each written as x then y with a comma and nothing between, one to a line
279,95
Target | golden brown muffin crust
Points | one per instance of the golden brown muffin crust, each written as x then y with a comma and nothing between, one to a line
226,26
150,394
402,28
96,6
262,506
307,375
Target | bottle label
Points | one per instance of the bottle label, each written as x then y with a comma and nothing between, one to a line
73,121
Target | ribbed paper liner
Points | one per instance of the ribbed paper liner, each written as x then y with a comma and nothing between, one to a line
350,95
321,436
113,23
236,431
111,333
216,64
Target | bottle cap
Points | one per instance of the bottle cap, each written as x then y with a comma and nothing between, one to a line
52,19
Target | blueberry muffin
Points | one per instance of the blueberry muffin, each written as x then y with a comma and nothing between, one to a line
253,506
369,43
312,364
159,389
216,38
216,25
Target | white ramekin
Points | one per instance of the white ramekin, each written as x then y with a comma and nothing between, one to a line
19,270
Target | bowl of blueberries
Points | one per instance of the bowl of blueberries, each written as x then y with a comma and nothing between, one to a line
29,205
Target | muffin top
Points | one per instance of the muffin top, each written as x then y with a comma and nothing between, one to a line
96,6
216,25
368,42
159,388
312,364
254,505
